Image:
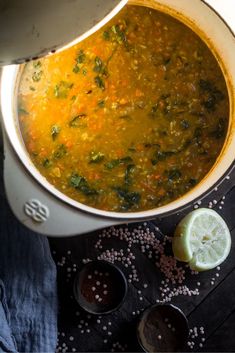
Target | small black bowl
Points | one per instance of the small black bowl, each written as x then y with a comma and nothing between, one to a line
162,328
100,287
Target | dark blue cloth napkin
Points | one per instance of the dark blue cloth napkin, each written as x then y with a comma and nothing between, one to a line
28,294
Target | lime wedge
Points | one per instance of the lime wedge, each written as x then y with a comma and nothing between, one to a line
203,239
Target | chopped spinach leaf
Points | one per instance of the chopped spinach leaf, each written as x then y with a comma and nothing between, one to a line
112,164
184,124
116,162
32,88
161,156
220,129
79,60
206,85
173,174
76,120
99,82
96,157
99,65
76,180
37,76
101,103
80,183
60,152
106,35
81,56
129,198
128,173
192,181
55,130
212,95
210,103
61,90
76,69
37,64
47,163
120,35
116,33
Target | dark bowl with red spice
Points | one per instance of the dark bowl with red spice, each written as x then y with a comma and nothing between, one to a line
100,287
163,328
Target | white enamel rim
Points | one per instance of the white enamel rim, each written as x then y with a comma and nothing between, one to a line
218,36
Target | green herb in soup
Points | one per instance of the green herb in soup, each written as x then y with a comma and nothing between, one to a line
129,119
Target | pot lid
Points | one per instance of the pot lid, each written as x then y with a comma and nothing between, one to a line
34,28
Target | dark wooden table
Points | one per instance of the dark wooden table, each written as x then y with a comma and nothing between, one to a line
212,311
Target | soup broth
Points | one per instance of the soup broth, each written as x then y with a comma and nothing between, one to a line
129,119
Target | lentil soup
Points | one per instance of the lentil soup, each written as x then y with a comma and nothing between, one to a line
129,119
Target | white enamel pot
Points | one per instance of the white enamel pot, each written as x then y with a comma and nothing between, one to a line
43,208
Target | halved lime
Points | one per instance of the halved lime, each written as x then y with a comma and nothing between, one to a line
203,239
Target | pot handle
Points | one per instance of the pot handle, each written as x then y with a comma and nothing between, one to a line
40,211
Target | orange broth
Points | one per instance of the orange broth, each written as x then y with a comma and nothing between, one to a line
129,119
